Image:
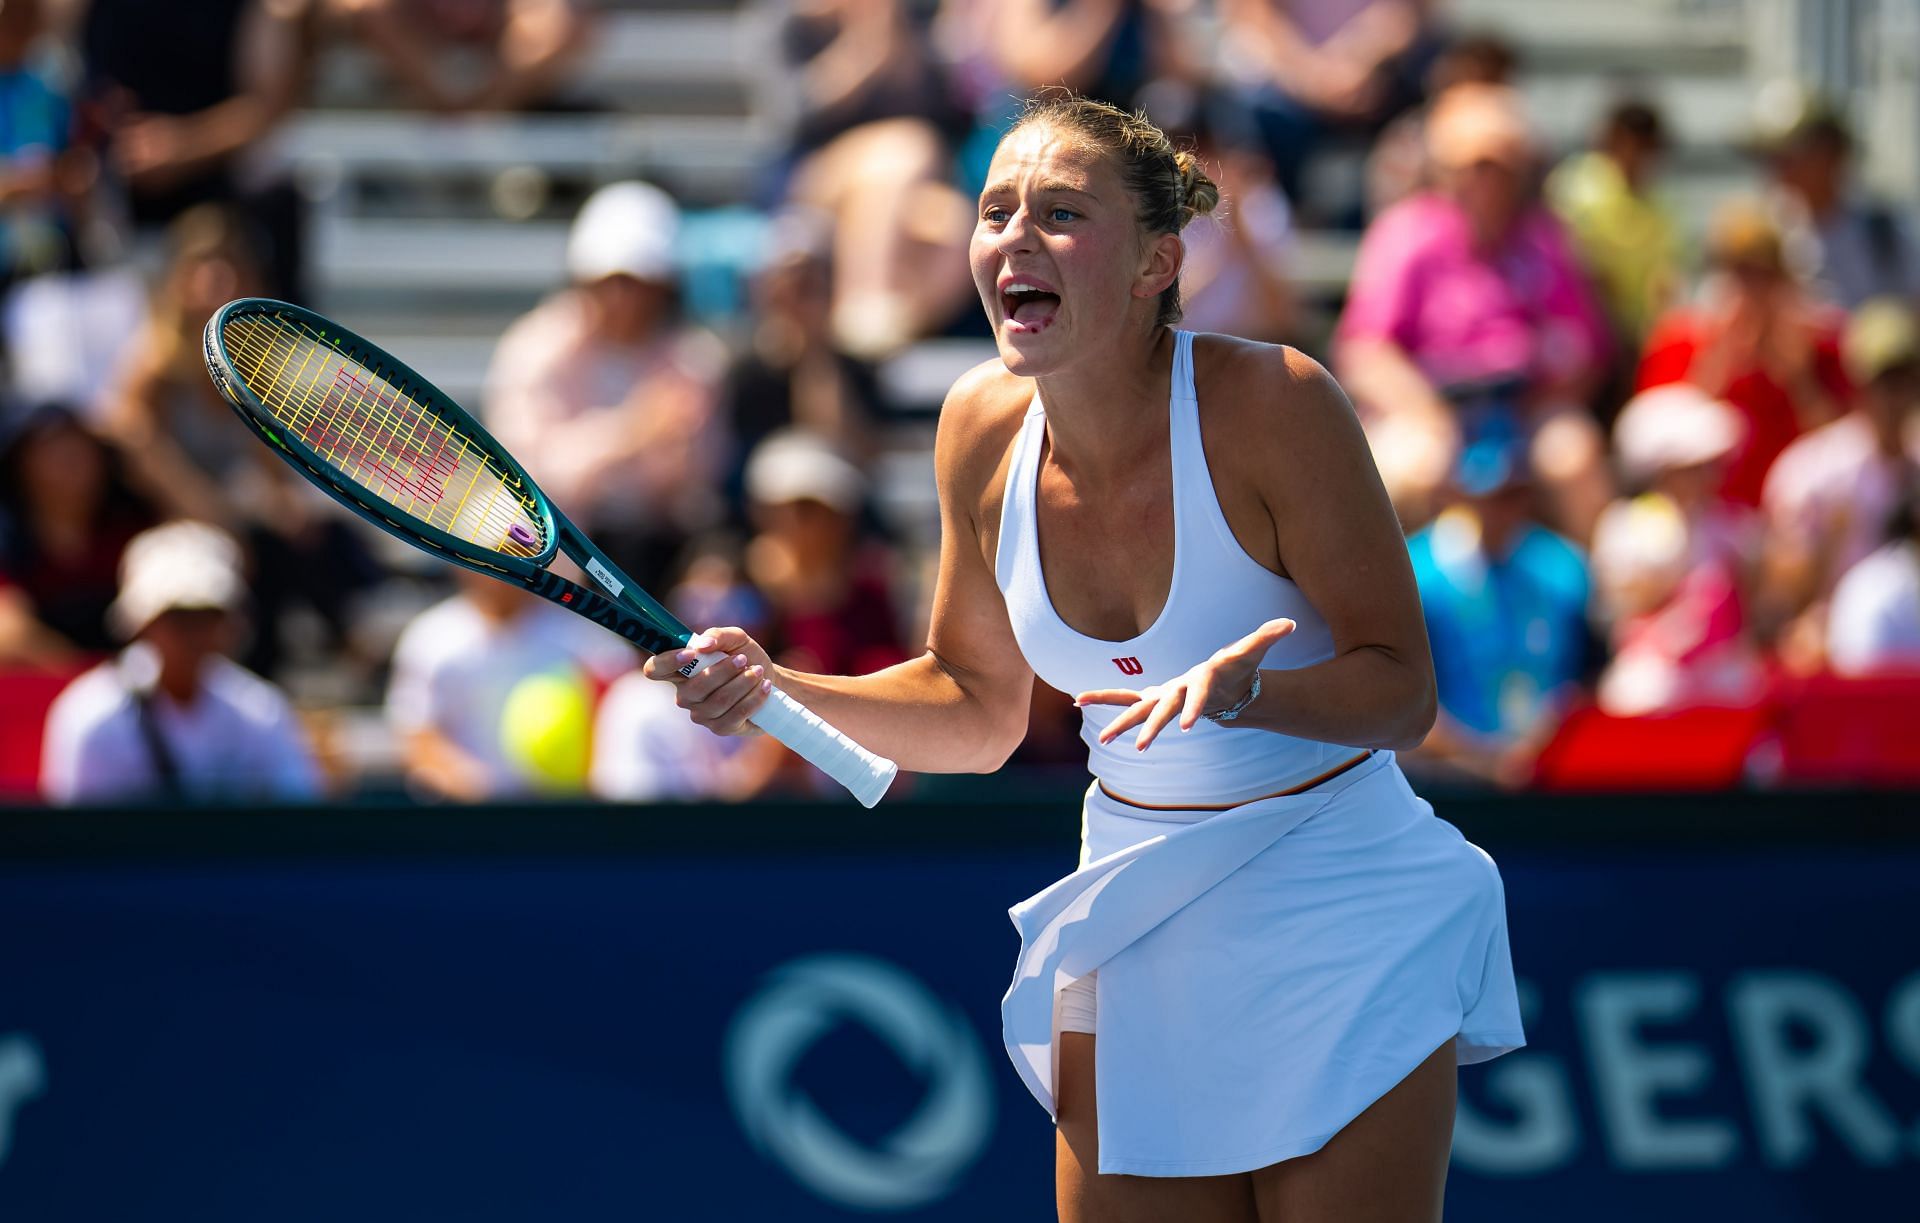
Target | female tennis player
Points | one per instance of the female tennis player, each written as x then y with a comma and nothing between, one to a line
1249,1001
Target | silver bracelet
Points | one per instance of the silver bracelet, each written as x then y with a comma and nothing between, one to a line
1238,707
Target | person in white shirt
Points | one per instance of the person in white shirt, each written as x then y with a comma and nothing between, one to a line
172,718
460,666
1830,494
1874,626
644,749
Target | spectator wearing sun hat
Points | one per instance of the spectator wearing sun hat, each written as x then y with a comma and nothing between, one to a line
1673,564
829,591
605,396
172,718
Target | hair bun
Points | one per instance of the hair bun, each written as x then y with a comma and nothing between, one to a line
1201,195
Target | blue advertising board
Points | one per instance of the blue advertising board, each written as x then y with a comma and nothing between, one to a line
699,1015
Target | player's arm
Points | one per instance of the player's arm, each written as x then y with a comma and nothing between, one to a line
1335,535
961,706
1340,542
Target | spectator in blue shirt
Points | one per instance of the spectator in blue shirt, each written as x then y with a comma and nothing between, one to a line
1505,601
35,114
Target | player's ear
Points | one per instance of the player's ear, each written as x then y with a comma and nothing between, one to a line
1160,260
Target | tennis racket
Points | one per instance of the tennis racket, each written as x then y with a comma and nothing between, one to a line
384,442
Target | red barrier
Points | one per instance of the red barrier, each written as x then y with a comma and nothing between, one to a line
1827,730
24,698
1691,749
1839,731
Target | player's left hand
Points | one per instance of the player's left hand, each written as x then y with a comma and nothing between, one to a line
1213,685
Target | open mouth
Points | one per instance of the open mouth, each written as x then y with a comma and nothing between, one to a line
1028,305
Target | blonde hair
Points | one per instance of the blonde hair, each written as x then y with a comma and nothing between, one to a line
1168,184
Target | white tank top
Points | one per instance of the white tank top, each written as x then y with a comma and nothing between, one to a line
1219,594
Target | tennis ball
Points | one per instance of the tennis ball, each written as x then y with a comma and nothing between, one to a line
546,730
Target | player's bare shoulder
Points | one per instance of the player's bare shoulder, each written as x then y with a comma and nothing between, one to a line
1254,384
978,422
1280,407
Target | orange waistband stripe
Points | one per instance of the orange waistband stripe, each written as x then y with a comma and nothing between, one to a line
1302,788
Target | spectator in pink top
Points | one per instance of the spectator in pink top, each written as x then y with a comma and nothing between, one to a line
1468,315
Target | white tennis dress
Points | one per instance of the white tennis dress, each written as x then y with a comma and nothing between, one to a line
1265,973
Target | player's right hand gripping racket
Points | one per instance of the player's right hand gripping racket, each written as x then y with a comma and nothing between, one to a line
388,445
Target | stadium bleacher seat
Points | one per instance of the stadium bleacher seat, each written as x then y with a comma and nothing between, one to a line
1691,750
1834,730
24,698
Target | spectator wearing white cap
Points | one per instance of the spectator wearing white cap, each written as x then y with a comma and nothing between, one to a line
172,718
605,396
1674,565
829,592
1830,494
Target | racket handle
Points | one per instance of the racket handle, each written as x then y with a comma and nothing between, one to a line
865,775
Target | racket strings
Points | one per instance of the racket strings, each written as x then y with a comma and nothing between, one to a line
370,429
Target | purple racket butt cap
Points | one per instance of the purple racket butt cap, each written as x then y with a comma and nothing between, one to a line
519,534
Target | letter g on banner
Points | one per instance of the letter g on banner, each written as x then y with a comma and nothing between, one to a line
803,1000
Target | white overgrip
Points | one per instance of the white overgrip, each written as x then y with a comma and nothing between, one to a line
865,775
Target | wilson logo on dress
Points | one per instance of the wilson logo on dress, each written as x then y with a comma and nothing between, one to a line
1128,666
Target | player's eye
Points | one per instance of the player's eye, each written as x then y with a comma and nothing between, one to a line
995,214
1060,216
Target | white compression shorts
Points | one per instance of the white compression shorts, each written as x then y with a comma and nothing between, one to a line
1080,1004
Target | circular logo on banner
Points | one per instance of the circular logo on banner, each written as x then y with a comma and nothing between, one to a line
803,1000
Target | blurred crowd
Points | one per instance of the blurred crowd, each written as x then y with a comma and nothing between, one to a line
1647,461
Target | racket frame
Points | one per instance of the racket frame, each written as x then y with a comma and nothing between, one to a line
624,607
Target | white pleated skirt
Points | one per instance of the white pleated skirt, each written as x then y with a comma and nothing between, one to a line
1265,973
